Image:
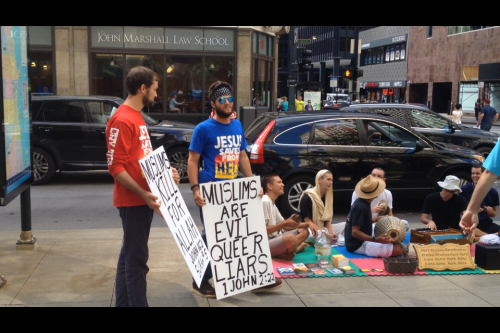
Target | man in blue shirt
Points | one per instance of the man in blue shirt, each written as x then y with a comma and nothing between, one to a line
488,207
488,116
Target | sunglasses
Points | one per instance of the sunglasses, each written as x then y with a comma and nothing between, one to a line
230,99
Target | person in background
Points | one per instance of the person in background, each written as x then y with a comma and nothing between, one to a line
477,108
172,105
299,104
488,207
309,106
457,114
256,100
487,117
285,104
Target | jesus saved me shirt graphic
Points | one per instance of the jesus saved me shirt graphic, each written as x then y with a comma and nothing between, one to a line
219,146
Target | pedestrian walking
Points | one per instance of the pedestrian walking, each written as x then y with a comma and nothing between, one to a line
488,116
457,114
477,108
221,143
128,141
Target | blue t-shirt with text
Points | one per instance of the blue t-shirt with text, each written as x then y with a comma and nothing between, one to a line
219,145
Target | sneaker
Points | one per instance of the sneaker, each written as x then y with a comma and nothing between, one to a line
276,285
205,290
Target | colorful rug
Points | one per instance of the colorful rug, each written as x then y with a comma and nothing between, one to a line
366,266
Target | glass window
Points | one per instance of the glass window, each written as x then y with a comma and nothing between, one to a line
336,133
155,62
218,69
262,44
387,53
270,49
62,111
429,32
40,73
296,136
107,75
428,120
40,35
184,84
101,111
403,51
254,42
388,135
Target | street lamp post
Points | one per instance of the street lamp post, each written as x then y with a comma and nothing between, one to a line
292,75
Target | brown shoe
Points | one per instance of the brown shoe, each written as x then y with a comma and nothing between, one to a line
205,290
276,285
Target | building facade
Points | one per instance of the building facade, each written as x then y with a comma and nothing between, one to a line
94,60
384,61
450,64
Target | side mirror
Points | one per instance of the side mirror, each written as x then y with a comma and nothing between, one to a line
418,147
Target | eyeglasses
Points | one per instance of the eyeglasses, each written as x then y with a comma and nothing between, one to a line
230,99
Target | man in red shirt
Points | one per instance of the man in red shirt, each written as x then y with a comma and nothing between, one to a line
128,141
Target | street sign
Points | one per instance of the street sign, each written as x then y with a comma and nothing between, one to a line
304,41
333,82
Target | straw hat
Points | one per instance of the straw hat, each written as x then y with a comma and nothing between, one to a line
369,187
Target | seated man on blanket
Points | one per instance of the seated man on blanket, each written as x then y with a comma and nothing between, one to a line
316,207
488,208
358,230
381,206
445,207
286,237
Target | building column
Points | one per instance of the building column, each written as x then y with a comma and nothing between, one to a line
244,65
71,60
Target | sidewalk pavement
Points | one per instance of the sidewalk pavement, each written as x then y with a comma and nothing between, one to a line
76,268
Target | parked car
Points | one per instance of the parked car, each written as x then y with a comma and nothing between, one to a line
433,125
297,146
69,135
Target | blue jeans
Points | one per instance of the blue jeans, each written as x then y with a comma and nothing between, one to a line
208,273
486,127
132,267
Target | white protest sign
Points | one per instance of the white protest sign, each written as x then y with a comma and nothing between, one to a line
236,235
158,173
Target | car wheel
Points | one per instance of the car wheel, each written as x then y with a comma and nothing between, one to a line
294,187
485,151
43,166
178,158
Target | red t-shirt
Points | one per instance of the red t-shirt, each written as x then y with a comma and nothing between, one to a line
128,141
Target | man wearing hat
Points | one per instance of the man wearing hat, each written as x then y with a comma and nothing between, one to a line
445,207
358,230
488,116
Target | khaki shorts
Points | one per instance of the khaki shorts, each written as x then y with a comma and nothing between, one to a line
276,244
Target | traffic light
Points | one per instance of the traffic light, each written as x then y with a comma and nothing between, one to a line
306,60
348,73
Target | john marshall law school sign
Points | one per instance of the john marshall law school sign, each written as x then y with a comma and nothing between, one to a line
190,39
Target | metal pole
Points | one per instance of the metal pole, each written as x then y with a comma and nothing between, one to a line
355,79
336,58
292,58
26,240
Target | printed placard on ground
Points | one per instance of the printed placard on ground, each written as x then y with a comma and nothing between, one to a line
236,235
437,257
158,173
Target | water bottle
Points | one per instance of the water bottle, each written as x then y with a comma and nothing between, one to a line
323,246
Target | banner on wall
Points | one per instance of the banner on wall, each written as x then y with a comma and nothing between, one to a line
314,97
236,236
158,173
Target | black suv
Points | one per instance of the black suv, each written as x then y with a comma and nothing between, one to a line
435,126
296,146
69,135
